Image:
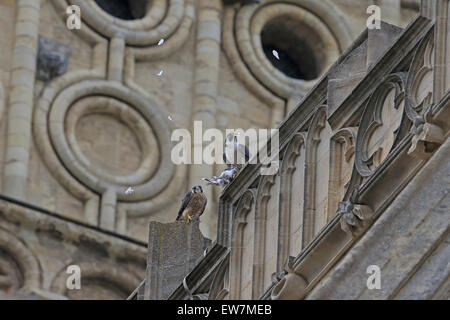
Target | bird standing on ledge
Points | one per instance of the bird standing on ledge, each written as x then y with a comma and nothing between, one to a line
192,205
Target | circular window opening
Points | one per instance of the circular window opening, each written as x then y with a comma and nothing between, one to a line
293,48
125,9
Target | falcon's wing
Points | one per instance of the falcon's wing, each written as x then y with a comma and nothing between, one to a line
204,206
184,203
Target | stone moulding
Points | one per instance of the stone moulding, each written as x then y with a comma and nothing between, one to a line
242,72
263,195
318,123
29,253
143,132
107,25
169,20
254,17
249,23
293,151
243,208
96,273
145,107
342,150
27,262
78,189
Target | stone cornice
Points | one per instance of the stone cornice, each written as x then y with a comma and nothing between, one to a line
68,229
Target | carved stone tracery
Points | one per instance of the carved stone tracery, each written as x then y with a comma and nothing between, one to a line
382,125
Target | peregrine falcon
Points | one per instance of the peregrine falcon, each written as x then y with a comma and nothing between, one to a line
193,204
234,153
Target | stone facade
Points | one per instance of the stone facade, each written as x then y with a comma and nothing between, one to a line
86,114
363,183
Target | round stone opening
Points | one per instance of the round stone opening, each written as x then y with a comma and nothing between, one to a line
125,9
293,48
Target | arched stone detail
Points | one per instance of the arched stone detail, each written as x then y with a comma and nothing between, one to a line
172,43
113,281
243,73
382,125
342,154
250,19
288,197
427,133
241,218
151,114
80,84
104,107
169,20
220,286
158,23
420,74
260,265
316,129
19,268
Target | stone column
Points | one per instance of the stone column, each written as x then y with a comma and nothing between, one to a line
173,250
21,98
427,8
205,98
108,210
116,59
441,50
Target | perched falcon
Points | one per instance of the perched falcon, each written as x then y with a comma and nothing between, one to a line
234,153
192,205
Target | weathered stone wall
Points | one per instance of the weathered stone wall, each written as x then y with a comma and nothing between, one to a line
73,143
36,249
239,100
412,253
